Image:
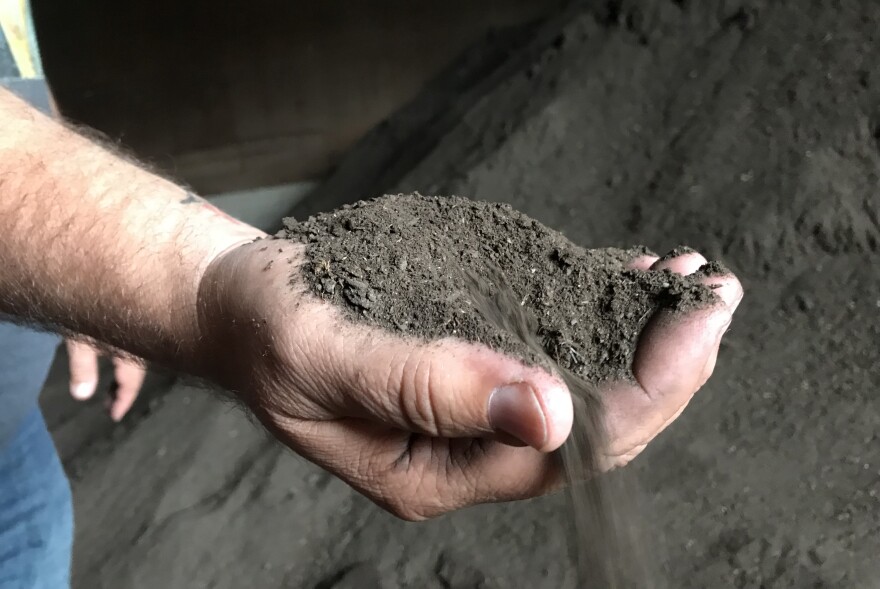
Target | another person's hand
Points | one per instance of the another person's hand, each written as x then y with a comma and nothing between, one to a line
414,426
128,377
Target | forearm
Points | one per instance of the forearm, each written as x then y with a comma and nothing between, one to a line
92,244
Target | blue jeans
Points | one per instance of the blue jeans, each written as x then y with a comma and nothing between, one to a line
36,514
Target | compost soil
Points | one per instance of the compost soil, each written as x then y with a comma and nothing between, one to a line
407,263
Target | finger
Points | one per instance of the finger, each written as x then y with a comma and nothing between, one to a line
724,284
681,260
129,377
497,473
674,350
726,287
419,477
83,363
448,389
642,262
709,368
665,385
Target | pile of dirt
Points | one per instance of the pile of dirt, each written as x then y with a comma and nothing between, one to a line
402,262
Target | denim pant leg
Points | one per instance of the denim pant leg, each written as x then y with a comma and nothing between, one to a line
36,521
36,512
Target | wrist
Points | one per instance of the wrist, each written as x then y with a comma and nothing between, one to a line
218,235
95,245
247,307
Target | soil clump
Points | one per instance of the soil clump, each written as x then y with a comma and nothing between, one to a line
402,261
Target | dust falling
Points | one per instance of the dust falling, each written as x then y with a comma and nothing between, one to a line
609,548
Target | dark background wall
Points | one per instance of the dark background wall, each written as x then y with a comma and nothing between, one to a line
231,95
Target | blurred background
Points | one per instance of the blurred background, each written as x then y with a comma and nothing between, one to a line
267,94
747,129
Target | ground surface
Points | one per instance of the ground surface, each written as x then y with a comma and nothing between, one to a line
749,131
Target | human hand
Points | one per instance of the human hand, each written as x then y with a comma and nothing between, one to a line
128,376
420,428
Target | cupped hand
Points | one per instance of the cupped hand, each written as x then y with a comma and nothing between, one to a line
426,428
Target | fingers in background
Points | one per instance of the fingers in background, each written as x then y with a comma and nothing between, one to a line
84,367
129,376
83,362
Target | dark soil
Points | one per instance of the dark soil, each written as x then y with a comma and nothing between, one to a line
402,262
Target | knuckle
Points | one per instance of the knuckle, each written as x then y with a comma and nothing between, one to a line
419,393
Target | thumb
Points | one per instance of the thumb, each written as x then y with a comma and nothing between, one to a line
451,389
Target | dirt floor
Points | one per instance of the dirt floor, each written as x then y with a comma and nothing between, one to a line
748,129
